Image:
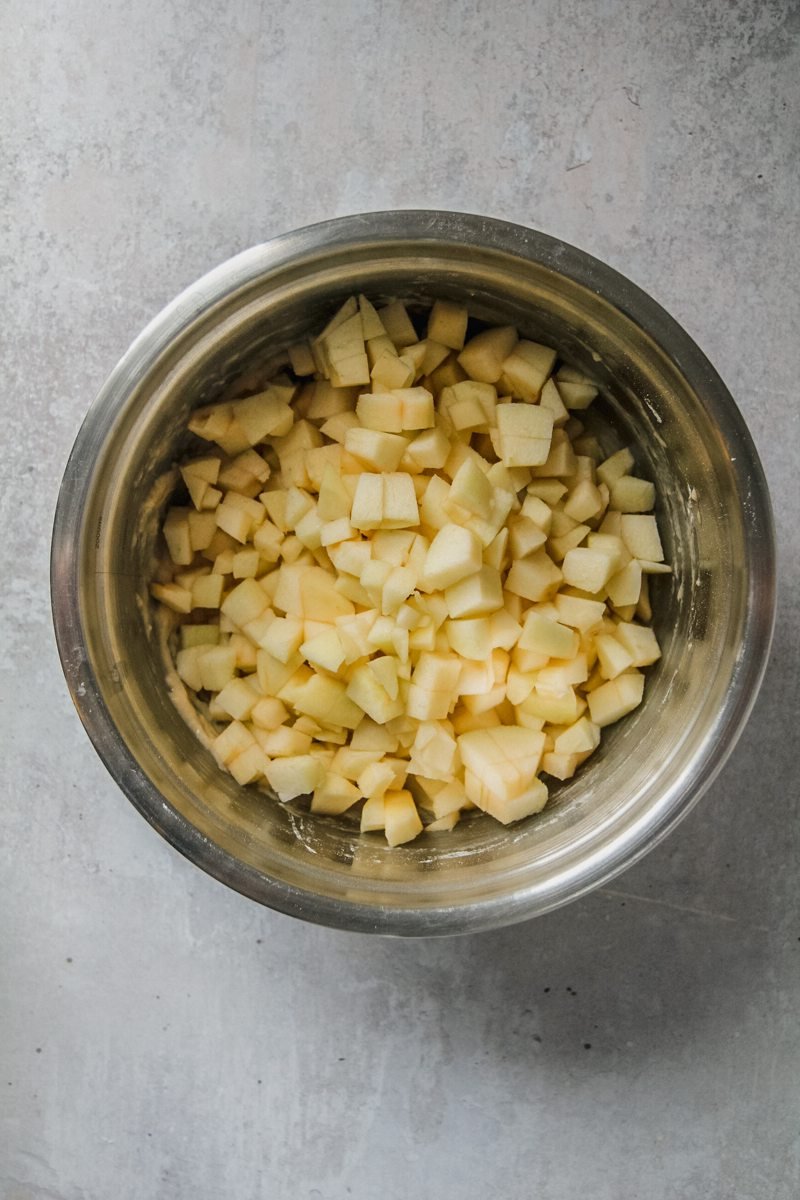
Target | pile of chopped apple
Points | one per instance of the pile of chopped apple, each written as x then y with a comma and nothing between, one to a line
409,582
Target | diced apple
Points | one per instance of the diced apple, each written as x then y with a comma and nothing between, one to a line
582,737
615,699
560,766
334,795
216,665
589,570
246,602
625,586
472,490
428,450
640,535
576,395
612,656
524,434
432,691
397,323
373,816
401,819
476,595
526,369
391,372
632,495
177,599
535,577
454,553
376,449
294,776
235,739
545,636
367,693
483,356
584,501
268,713
447,324
640,641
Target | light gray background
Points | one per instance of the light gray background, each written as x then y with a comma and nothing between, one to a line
162,1037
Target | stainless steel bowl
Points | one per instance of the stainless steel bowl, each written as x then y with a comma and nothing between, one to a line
714,615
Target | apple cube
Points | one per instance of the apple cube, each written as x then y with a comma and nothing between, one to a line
576,395
283,742
429,450
264,415
246,602
526,369
384,501
366,692
561,460
582,737
579,613
641,643
535,577
560,766
617,698
632,495
507,809
295,776
178,537
238,698
283,637
273,675
434,753
640,535
324,650
560,546
625,586
375,779
615,467
496,553
350,557
471,637
447,324
397,323
612,656
589,570
524,536
268,713
176,598
471,490
376,449
432,692
401,819
235,739
454,553
545,636
476,595
484,355
561,708
217,665
524,434
584,501
334,795
390,372
328,700
550,398
548,490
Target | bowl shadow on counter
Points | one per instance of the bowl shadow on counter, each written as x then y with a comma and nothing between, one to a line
675,951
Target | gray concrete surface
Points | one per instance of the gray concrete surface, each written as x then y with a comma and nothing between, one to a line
161,1037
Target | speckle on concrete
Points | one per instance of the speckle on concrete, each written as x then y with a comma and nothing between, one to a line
161,1036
